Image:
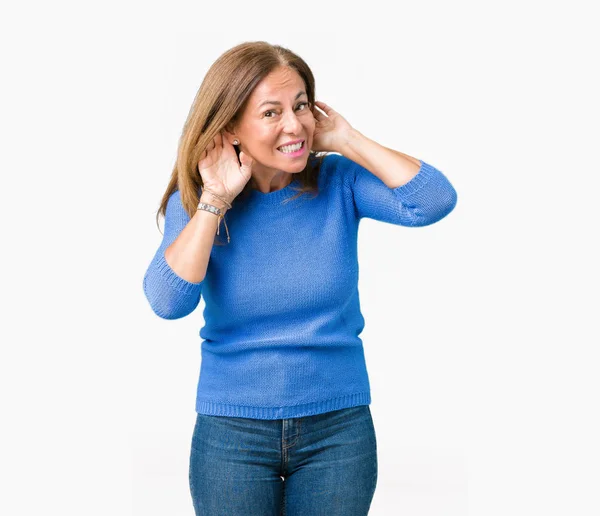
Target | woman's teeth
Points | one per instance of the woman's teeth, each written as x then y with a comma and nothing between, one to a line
291,148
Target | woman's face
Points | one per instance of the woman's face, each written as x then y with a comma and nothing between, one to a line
277,112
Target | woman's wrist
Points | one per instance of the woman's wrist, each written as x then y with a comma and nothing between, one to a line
207,198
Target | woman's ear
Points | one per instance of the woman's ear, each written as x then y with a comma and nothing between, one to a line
228,133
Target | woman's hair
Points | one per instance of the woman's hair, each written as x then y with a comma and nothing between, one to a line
219,104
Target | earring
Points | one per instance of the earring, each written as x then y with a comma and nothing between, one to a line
236,142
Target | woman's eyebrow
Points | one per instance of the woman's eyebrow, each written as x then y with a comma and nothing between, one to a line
277,103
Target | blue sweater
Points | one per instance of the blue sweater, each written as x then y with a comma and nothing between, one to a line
282,313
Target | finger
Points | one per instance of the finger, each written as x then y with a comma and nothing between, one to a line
323,106
246,161
210,146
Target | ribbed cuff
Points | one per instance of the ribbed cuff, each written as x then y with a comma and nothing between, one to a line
425,173
173,280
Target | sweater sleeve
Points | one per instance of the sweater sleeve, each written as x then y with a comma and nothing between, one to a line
427,198
170,296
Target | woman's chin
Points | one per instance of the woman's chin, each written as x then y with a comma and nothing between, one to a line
300,161
298,168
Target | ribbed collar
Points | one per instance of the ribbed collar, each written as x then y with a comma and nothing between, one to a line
256,197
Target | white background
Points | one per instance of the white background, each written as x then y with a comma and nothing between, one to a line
480,340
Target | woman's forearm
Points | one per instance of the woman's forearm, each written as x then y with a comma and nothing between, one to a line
394,168
189,253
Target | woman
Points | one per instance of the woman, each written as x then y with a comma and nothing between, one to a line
283,421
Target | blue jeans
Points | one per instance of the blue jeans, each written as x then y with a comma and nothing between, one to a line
325,464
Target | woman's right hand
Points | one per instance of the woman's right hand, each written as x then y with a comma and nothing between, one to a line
221,171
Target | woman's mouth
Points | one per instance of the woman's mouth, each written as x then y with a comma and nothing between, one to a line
293,151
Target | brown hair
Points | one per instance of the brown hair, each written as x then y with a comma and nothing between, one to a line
219,103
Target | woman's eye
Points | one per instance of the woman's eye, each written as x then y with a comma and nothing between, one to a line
271,111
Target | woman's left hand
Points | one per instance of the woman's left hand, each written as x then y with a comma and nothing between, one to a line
331,129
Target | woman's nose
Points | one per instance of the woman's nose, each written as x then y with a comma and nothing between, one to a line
291,124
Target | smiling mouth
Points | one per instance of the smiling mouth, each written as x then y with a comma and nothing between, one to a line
294,151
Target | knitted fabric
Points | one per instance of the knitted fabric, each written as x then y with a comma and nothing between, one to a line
282,314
